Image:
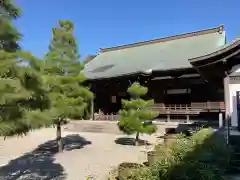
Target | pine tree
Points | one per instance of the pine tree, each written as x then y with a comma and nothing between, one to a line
63,78
21,94
135,117
9,35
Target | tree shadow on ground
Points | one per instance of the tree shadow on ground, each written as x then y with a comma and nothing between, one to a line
127,141
39,164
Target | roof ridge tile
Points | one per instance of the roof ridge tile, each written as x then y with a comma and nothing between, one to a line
219,29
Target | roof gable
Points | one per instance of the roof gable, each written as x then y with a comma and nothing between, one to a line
155,55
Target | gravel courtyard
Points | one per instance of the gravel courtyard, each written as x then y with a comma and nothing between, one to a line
34,156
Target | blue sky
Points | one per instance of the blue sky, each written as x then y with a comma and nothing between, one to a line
109,23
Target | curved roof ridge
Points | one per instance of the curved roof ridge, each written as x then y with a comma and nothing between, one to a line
222,49
219,29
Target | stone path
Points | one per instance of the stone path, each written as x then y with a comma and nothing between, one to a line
34,156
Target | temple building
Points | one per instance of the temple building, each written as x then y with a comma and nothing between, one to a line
190,76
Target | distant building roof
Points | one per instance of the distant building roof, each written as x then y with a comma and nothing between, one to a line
155,55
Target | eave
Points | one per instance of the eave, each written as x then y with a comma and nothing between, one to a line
215,66
223,54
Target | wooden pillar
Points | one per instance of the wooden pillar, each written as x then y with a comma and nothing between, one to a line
188,118
92,109
188,114
227,99
168,116
92,103
220,120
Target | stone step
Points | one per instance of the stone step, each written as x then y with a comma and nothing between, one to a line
93,127
99,126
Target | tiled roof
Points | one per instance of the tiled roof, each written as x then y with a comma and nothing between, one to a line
155,55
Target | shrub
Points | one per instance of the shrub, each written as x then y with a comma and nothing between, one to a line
143,173
204,155
135,117
126,170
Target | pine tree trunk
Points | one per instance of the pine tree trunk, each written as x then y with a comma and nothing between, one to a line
59,138
137,139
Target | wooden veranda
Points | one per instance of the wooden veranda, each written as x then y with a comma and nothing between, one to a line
186,110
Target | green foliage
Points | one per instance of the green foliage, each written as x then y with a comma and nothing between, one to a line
205,155
136,103
136,90
126,170
63,57
134,113
36,93
22,96
9,36
61,74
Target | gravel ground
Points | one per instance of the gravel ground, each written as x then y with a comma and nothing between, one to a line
34,156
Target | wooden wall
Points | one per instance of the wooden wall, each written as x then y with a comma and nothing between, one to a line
200,92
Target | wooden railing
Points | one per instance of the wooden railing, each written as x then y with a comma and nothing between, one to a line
173,109
187,110
216,105
103,117
205,106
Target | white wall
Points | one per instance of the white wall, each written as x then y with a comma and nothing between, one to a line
233,88
233,103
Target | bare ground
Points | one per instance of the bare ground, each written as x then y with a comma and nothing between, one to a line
34,156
